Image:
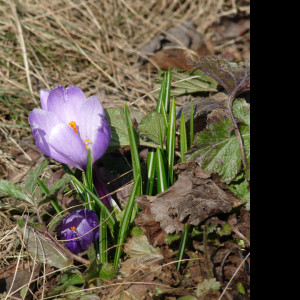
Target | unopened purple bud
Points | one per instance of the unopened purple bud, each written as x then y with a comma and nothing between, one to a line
79,230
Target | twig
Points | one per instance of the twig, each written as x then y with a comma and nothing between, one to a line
236,271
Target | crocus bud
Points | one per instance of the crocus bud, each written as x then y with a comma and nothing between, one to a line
79,230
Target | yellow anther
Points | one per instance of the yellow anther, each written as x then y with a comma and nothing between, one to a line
73,126
87,141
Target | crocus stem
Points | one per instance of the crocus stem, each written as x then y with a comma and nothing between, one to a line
101,188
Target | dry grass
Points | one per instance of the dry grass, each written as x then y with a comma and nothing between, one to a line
93,44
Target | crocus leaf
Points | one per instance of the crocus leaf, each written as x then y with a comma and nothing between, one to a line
149,127
11,189
44,249
188,82
233,78
217,149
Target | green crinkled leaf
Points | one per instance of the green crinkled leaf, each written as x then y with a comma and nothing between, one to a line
217,149
117,123
44,249
188,82
149,127
11,189
240,189
59,184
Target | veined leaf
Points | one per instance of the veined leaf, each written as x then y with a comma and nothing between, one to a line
11,189
44,249
31,180
233,78
188,82
149,127
217,148
117,122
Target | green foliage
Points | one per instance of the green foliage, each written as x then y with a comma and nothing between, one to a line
107,271
124,225
217,148
32,176
188,82
241,288
118,125
151,126
14,190
69,278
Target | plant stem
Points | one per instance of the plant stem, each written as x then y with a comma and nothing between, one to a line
237,131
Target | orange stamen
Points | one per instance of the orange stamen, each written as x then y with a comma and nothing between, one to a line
73,228
73,126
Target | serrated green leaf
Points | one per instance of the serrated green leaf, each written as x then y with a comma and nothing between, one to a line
217,148
188,82
59,184
149,127
32,175
11,189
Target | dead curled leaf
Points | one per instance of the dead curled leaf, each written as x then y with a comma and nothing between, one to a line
194,197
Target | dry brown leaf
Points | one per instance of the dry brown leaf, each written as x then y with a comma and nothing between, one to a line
194,197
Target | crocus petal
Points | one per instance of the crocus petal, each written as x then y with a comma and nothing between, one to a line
86,234
101,140
92,219
44,97
72,242
91,117
41,123
69,145
94,127
66,102
100,108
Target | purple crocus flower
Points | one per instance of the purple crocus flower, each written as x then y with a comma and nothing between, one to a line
68,125
77,230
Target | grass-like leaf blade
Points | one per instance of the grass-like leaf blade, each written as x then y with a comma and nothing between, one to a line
171,131
133,147
126,220
162,183
183,138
